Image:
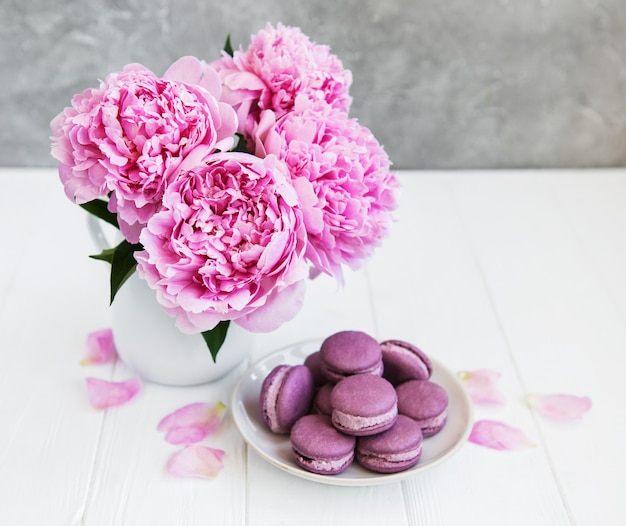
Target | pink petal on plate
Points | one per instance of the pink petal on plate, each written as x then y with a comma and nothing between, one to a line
103,394
498,435
560,406
100,347
196,461
482,386
192,423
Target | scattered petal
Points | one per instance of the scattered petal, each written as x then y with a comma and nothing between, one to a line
196,461
482,386
103,394
100,347
560,406
192,423
498,435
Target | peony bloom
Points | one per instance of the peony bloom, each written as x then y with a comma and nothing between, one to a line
131,135
279,65
227,245
80,159
342,177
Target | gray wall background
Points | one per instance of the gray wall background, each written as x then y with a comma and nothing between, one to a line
441,83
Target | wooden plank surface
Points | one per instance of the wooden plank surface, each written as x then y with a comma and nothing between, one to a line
519,272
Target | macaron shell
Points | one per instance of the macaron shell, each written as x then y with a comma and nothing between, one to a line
397,449
424,401
321,401
363,405
313,361
404,361
336,376
286,395
319,448
350,352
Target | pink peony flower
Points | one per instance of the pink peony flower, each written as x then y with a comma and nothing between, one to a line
80,159
342,177
229,239
131,135
279,65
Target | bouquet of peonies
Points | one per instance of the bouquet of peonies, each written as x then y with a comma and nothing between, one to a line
232,182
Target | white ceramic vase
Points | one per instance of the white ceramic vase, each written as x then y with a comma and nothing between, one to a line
150,344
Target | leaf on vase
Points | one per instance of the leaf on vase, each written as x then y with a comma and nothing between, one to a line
123,264
100,209
215,337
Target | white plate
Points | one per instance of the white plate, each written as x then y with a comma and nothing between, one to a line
276,449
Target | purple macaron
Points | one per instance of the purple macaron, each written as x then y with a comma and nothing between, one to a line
425,402
286,395
363,404
321,401
314,363
404,361
350,352
319,448
394,450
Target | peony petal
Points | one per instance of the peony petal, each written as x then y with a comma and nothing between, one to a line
103,394
498,435
280,307
560,406
100,347
482,386
196,461
192,423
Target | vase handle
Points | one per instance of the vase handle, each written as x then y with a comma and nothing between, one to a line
98,236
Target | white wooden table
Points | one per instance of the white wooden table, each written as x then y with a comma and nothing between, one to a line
520,272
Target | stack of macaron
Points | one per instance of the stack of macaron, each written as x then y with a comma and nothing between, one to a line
355,398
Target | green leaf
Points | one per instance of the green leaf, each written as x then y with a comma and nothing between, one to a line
98,208
240,145
123,265
228,47
215,337
105,255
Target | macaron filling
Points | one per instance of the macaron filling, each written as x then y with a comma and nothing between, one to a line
400,351
272,398
335,375
434,423
390,458
317,465
349,422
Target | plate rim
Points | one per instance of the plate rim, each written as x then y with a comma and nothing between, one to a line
375,478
